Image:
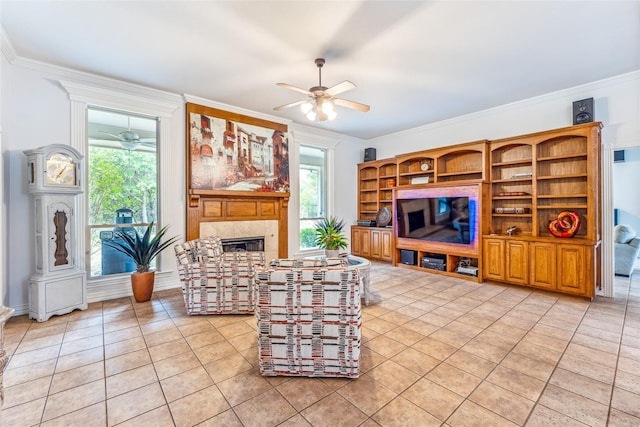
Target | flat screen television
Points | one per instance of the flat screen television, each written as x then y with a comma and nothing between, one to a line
437,219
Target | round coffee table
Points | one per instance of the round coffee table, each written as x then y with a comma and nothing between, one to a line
364,268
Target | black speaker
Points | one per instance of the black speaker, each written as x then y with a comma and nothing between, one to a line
583,111
408,257
369,154
618,156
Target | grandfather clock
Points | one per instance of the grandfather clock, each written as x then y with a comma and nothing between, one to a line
54,177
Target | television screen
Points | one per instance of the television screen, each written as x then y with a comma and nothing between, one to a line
437,219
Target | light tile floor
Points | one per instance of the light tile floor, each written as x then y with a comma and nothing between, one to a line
437,351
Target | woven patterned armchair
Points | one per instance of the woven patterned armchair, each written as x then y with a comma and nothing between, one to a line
216,282
309,319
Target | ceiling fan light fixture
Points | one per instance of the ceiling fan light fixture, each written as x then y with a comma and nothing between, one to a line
327,106
331,115
306,107
129,145
311,115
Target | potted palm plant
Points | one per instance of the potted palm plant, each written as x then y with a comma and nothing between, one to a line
330,237
142,250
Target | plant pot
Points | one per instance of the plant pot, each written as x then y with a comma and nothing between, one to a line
332,253
142,285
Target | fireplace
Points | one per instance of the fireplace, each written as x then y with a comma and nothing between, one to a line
239,244
267,230
236,214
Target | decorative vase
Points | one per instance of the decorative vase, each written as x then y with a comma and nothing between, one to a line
332,253
142,285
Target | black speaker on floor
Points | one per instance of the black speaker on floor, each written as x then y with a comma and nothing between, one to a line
583,111
618,156
369,154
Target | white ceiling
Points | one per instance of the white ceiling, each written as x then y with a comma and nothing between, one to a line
414,62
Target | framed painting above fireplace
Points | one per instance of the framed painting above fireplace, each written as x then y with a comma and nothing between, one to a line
233,152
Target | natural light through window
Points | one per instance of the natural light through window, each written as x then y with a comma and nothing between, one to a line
313,199
122,183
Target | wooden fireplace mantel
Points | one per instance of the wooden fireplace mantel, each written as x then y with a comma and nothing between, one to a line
216,206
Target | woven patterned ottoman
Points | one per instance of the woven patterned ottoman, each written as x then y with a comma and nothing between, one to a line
309,318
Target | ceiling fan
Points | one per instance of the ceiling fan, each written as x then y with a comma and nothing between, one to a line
320,102
131,140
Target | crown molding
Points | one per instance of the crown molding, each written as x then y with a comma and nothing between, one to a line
74,79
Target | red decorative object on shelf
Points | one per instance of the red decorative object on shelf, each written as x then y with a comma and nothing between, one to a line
566,225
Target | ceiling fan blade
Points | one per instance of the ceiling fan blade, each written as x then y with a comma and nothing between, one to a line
297,89
340,87
117,137
350,104
291,104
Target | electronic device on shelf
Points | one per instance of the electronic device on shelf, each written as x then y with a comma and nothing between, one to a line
367,222
513,210
434,263
434,266
433,260
469,271
465,267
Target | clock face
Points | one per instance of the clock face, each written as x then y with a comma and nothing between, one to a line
60,170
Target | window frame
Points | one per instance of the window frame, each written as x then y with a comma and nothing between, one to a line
302,136
110,226
322,193
135,99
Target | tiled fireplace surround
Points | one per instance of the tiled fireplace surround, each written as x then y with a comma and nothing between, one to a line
240,229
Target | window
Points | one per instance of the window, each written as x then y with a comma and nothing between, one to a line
122,186
313,197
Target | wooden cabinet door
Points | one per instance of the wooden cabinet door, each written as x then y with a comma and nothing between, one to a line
543,264
571,268
517,262
359,241
362,242
376,244
493,259
355,241
387,245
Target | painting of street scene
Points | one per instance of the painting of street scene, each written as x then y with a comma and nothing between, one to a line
230,155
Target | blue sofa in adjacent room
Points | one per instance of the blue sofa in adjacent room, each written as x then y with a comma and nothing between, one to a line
626,249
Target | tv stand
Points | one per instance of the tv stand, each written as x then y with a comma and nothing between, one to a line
449,259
